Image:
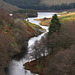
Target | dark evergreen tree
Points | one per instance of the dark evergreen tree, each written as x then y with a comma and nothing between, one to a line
54,25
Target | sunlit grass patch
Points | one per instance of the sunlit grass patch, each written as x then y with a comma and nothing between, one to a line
34,26
46,22
67,17
65,12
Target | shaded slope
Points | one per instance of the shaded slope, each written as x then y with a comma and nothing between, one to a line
8,7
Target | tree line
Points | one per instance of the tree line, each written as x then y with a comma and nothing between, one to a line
52,7
26,13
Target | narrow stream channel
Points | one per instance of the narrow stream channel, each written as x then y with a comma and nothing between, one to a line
16,67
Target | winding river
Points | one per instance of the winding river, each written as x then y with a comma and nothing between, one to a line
16,67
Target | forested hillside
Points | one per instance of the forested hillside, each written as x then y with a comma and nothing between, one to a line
43,4
14,35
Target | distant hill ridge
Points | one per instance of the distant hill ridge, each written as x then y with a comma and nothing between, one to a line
8,7
56,2
37,2
43,4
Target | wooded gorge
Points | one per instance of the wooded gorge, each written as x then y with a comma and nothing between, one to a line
60,48
47,48
14,35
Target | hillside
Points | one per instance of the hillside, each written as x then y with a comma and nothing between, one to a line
37,2
56,2
23,2
14,36
8,7
43,4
